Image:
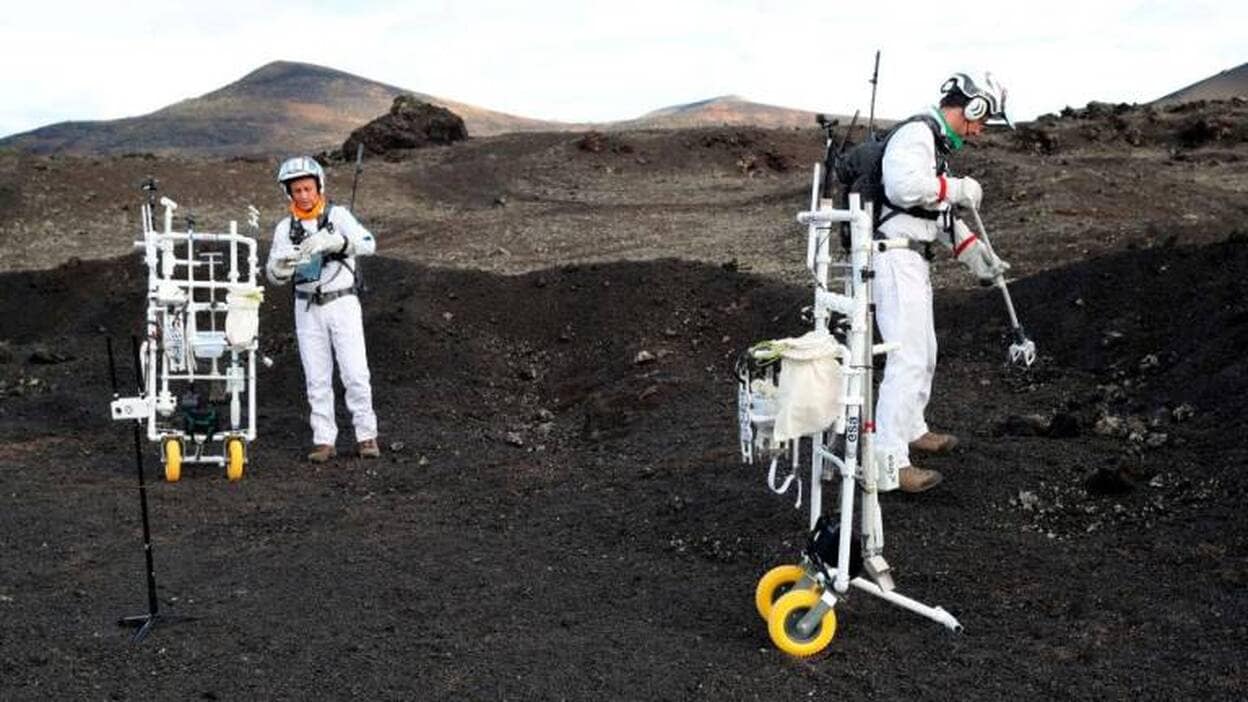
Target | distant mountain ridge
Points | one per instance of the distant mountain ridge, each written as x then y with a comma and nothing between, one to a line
280,107
287,106
1223,86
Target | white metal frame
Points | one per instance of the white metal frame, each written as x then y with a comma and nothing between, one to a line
185,289
856,463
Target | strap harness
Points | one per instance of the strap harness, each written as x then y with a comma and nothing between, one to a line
297,234
323,298
923,248
942,168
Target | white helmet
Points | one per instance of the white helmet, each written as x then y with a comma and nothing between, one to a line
300,167
986,96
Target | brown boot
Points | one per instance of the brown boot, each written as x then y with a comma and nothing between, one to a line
368,448
914,479
934,443
321,453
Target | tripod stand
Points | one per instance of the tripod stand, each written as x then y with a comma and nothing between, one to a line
129,408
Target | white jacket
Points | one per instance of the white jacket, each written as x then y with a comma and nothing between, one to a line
910,179
334,275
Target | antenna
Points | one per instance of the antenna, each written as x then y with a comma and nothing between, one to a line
875,79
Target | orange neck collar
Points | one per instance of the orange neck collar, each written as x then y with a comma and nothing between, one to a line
313,213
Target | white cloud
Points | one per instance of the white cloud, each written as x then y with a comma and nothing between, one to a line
597,61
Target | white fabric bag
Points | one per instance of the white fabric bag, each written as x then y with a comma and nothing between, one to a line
809,395
242,319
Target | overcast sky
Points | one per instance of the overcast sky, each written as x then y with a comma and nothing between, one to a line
598,61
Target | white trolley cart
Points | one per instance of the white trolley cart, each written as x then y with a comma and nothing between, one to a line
198,357
798,601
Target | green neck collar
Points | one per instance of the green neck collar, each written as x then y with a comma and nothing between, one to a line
955,141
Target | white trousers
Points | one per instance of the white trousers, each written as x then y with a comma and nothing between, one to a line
903,311
327,331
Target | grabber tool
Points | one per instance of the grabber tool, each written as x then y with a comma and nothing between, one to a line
1023,350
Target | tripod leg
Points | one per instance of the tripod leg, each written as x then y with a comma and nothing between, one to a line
144,622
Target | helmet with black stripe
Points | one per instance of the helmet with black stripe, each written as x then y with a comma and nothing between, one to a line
985,96
293,169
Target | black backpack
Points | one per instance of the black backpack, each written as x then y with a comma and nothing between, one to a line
860,169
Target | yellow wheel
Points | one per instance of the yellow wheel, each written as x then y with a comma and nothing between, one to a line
787,612
173,460
234,460
773,585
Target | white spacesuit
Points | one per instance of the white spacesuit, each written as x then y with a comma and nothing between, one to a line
317,246
919,194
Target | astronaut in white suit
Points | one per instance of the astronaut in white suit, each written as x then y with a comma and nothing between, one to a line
917,206
317,246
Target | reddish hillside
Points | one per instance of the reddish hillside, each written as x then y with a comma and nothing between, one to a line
726,110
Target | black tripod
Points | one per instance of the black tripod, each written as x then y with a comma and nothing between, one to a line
144,622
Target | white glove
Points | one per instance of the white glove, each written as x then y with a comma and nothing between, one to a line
971,251
964,191
280,270
323,242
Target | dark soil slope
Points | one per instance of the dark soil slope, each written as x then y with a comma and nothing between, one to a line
554,517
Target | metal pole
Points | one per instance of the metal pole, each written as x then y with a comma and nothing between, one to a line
875,79
359,168
152,604
143,621
360,284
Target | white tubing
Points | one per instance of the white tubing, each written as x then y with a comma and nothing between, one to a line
811,235
783,487
233,251
936,614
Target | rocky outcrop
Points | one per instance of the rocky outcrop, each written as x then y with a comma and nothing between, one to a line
410,124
